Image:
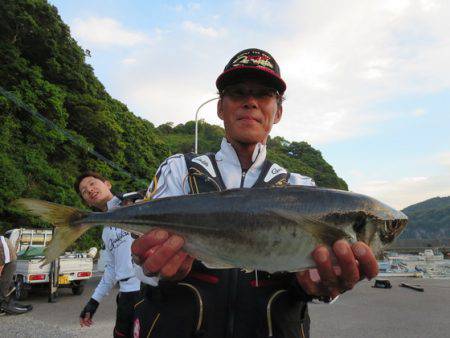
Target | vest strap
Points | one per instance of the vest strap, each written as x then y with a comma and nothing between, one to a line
204,174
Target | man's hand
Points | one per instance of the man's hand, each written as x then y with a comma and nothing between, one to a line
158,252
88,312
353,263
1,269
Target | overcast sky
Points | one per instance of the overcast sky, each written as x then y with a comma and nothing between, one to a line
368,82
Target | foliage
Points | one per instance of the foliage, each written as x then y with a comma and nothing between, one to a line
40,156
70,117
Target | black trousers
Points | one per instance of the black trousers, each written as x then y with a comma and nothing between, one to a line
6,279
125,313
174,313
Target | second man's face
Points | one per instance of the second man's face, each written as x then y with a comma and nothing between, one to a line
95,192
248,111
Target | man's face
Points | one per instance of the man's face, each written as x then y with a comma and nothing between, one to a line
95,192
248,111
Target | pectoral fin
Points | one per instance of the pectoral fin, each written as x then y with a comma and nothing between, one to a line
320,230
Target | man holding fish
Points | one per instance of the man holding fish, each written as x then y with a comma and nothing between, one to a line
251,94
232,261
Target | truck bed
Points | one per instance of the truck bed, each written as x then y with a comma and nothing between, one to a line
75,267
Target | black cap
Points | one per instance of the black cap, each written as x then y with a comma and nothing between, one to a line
252,64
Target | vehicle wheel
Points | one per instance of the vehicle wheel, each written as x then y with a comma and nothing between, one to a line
77,288
21,292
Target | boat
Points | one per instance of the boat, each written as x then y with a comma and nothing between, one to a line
430,255
429,264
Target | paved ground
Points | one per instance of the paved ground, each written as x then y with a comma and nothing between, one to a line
389,313
363,312
60,319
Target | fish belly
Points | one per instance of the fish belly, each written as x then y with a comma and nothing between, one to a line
282,249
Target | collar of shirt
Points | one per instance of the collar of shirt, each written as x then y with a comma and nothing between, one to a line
113,203
230,167
228,154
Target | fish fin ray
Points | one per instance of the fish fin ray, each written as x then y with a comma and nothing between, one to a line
62,217
63,238
318,229
217,265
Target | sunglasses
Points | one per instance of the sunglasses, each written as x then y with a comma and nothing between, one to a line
239,92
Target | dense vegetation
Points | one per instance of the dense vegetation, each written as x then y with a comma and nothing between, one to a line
57,120
428,219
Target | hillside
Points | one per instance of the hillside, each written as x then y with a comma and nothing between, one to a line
57,120
428,219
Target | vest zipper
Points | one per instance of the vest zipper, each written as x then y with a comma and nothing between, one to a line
244,172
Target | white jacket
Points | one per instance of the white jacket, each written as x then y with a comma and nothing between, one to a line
171,177
7,253
118,264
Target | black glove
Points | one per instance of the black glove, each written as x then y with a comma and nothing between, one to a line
90,308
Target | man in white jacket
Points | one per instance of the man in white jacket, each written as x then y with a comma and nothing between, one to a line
222,303
95,191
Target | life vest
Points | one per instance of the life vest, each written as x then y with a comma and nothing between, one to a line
225,303
231,302
204,174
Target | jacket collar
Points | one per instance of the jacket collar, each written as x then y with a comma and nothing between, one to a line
228,155
113,202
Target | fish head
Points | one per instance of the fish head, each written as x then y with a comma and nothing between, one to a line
379,229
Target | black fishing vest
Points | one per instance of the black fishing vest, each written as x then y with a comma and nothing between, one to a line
240,304
204,175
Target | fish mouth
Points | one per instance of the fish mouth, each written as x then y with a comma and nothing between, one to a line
392,229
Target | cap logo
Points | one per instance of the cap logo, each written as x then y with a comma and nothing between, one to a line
254,64
258,60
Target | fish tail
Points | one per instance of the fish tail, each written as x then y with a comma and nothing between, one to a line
63,218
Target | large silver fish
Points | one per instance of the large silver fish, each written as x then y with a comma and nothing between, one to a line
269,229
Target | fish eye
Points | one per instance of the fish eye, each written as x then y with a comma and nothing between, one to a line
395,224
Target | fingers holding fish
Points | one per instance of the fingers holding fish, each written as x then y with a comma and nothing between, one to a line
163,258
349,273
178,267
309,281
328,278
368,265
142,244
173,264
185,267
353,264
